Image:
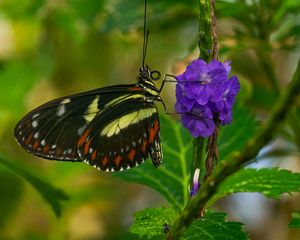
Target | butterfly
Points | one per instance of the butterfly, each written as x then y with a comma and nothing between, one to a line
111,128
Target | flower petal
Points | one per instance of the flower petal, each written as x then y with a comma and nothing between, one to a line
227,66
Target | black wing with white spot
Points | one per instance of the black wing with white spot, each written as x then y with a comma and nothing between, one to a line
106,127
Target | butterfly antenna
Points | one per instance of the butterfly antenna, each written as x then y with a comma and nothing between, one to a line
146,34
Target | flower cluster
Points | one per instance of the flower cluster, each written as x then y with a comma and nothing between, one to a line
205,93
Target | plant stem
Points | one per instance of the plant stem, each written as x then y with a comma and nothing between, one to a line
226,168
198,158
205,32
205,46
214,31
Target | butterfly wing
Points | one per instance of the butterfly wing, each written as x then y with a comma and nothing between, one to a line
122,136
70,128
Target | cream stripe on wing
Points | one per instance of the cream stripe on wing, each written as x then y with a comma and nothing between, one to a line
123,122
92,110
124,98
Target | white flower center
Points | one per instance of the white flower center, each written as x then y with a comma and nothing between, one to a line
205,78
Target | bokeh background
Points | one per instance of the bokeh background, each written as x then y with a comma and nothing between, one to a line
51,48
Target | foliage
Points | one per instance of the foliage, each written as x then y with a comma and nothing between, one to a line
233,138
54,48
150,222
53,196
213,226
171,179
272,182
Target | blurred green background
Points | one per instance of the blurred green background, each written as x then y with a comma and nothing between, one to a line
51,48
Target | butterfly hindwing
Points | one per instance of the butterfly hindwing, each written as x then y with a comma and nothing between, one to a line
81,127
122,136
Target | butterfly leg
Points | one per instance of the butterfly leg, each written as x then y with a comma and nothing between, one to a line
166,80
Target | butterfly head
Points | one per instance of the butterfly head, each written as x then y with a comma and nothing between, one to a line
145,80
147,75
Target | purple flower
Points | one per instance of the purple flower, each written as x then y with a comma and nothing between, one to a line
203,82
224,106
199,121
204,92
227,67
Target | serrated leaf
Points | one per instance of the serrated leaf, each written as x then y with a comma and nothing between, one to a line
171,179
295,222
213,226
234,136
150,222
272,182
53,196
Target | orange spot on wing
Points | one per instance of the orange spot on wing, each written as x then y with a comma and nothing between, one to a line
87,146
153,131
117,160
93,156
46,148
131,154
35,145
105,161
28,139
83,137
151,135
145,144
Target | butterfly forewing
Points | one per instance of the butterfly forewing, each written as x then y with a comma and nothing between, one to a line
111,128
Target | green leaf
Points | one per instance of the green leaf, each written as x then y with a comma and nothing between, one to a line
53,196
12,190
150,221
267,101
213,226
171,179
272,182
295,222
234,136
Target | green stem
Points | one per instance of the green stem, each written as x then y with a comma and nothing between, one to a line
205,31
205,46
198,158
226,168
